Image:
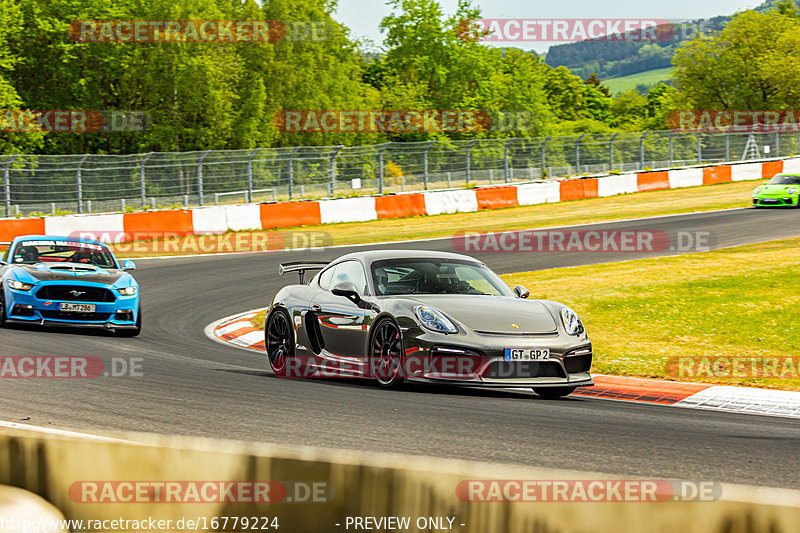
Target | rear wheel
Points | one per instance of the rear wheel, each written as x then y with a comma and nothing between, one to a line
132,332
552,393
279,341
386,354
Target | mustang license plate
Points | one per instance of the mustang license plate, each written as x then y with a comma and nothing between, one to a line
77,308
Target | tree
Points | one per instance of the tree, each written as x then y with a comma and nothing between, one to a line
594,81
741,67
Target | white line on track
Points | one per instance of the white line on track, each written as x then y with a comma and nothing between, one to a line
59,432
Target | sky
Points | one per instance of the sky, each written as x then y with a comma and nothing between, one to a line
363,16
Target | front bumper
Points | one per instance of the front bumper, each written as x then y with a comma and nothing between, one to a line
478,360
25,307
776,201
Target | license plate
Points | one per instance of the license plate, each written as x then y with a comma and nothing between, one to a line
769,201
78,308
527,354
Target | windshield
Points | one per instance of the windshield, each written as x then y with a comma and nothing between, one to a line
785,180
435,276
31,252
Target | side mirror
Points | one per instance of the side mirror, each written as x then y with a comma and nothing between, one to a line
127,264
521,292
348,290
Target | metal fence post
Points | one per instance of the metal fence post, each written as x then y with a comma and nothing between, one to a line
250,175
333,169
641,150
425,164
671,147
383,147
611,151
578,153
200,177
727,146
291,170
506,162
79,183
542,154
777,143
7,183
142,183
468,159
699,149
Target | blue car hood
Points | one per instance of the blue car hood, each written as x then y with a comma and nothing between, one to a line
72,272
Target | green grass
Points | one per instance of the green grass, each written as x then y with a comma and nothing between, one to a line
737,302
648,77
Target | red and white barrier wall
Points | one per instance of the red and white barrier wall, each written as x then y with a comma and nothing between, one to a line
219,219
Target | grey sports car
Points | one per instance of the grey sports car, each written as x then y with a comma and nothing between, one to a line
433,317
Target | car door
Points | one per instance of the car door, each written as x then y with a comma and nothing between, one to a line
343,325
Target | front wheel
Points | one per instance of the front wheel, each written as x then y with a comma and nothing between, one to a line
279,341
386,354
2,307
553,393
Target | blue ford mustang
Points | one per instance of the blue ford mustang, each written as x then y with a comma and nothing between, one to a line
68,281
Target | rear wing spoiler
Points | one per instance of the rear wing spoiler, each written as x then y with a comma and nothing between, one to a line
300,267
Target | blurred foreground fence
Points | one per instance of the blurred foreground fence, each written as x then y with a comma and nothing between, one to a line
42,184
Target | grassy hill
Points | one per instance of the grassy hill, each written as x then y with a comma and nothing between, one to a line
647,78
622,58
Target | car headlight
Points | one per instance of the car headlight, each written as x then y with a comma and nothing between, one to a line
792,190
434,320
571,321
18,285
758,190
128,291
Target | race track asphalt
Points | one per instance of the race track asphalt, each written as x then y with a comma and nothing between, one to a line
197,387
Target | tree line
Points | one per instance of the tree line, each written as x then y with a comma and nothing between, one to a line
200,96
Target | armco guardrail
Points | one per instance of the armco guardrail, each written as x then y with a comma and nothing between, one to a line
320,491
101,183
198,221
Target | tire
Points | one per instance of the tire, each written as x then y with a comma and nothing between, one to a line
553,393
386,354
3,315
279,341
133,332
